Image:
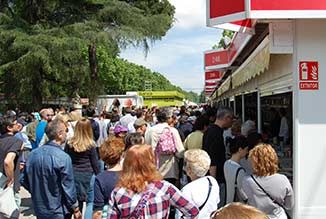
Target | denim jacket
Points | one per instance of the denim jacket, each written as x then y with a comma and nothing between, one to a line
48,176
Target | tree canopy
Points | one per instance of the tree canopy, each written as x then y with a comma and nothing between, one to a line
56,48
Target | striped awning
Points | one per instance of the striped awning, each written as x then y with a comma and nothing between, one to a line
254,65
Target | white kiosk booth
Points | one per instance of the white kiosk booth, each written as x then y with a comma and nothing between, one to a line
300,30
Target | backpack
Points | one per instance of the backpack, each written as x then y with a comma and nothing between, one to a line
166,144
31,132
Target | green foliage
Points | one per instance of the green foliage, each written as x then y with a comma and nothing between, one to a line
225,34
192,96
44,46
119,76
202,97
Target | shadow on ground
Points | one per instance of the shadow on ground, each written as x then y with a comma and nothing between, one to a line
26,211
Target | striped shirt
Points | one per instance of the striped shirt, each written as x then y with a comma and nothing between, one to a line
163,195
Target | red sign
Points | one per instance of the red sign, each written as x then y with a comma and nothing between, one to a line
288,5
309,85
219,8
242,26
208,93
308,71
226,11
239,41
213,75
216,59
210,84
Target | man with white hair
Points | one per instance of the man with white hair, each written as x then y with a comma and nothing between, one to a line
202,190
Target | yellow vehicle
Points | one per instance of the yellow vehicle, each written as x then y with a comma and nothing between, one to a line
162,98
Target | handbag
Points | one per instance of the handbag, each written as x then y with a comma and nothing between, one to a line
209,192
8,206
269,196
235,199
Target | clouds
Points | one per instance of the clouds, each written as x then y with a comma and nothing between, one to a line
179,55
189,13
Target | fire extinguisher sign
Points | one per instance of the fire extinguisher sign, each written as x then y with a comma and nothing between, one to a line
308,75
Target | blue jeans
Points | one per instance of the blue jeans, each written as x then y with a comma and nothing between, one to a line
90,199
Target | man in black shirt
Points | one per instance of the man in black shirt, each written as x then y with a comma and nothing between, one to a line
213,144
10,152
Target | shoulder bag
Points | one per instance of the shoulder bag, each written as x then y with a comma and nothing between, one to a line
209,192
235,199
269,196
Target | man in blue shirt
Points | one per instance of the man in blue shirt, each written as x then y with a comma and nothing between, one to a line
46,115
48,176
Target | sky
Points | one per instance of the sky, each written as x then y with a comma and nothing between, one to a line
179,56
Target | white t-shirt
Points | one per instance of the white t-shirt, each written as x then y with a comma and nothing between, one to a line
230,170
197,191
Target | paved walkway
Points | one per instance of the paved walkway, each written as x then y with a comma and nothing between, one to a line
26,210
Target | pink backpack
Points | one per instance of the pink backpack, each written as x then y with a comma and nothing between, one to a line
166,144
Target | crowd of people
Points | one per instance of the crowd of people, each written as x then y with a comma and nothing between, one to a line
167,162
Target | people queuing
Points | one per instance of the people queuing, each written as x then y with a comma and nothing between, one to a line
82,150
141,191
131,162
203,190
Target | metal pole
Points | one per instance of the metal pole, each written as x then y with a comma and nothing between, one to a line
234,106
243,107
259,120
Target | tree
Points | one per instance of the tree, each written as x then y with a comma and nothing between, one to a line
49,48
227,35
202,97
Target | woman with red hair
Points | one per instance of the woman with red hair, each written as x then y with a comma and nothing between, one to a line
266,189
141,192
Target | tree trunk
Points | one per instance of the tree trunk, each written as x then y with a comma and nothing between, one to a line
93,71
93,61
37,98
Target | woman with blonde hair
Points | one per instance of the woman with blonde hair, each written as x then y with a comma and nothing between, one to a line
266,189
82,150
141,192
238,210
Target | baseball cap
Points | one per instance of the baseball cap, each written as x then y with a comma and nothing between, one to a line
119,128
139,122
192,118
21,121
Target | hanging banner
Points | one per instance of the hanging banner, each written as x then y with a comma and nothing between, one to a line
216,59
210,84
242,26
209,93
213,75
292,5
223,11
238,42
222,59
